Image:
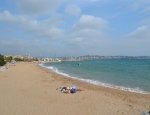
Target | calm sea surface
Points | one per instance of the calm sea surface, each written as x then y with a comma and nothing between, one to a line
125,74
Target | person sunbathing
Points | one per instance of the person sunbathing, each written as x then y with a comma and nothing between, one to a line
72,89
65,89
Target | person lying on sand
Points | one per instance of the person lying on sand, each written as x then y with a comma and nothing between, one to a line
65,90
72,89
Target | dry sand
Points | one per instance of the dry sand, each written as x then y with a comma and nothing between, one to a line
27,89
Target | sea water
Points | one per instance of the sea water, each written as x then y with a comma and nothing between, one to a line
124,74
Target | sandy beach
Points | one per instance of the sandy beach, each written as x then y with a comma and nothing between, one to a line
27,89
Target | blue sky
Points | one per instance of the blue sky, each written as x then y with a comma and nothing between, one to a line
80,27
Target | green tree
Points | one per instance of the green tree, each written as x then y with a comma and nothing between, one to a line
18,59
8,58
2,62
35,59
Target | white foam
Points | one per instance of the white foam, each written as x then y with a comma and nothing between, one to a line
135,90
95,82
55,70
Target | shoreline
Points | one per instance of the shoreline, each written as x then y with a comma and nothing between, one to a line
28,88
96,83
86,85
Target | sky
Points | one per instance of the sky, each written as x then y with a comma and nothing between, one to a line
75,27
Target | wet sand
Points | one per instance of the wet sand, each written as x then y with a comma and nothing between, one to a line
27,89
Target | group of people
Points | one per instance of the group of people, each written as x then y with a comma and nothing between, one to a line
72,89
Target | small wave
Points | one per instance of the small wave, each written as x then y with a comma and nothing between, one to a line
95,82
135,90
55,70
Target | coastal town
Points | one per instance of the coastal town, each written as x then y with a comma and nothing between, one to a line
29,58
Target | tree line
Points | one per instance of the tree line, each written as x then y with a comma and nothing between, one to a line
5,59
2,60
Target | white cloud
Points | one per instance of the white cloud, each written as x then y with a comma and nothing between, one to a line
38,6
136,42
90,22
86,36
40,28
89,27
7,17
73,10
142,32
87,33
89,37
